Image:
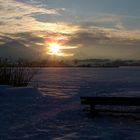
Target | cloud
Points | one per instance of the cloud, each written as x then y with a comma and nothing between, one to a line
16,49
18,17
98,35
34,44
91,42
108,19
12,9
22,45
102,42
30,23
120,26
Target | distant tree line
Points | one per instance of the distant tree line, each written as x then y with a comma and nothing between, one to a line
67,63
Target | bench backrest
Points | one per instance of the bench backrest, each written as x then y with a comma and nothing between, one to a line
132,101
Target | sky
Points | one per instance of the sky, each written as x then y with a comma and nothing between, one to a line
105,29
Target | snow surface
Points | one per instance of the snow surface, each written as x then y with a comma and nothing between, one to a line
3,88
52,110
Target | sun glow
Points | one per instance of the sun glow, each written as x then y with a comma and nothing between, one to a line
57,50
54,49
57,46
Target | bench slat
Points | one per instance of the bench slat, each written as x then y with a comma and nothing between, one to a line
131,101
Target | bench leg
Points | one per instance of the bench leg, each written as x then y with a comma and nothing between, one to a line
92,109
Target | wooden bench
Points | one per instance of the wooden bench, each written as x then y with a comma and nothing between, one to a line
118,101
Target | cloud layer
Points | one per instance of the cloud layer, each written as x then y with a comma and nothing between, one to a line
31,23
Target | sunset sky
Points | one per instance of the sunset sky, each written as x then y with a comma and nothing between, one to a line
82,28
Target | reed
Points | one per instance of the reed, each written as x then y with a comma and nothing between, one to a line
16,76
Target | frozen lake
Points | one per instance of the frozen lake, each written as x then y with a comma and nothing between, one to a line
66,85
57,114
69,82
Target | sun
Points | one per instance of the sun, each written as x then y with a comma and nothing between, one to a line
54,49
58,49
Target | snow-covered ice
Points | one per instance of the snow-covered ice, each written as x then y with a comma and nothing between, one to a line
52,110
